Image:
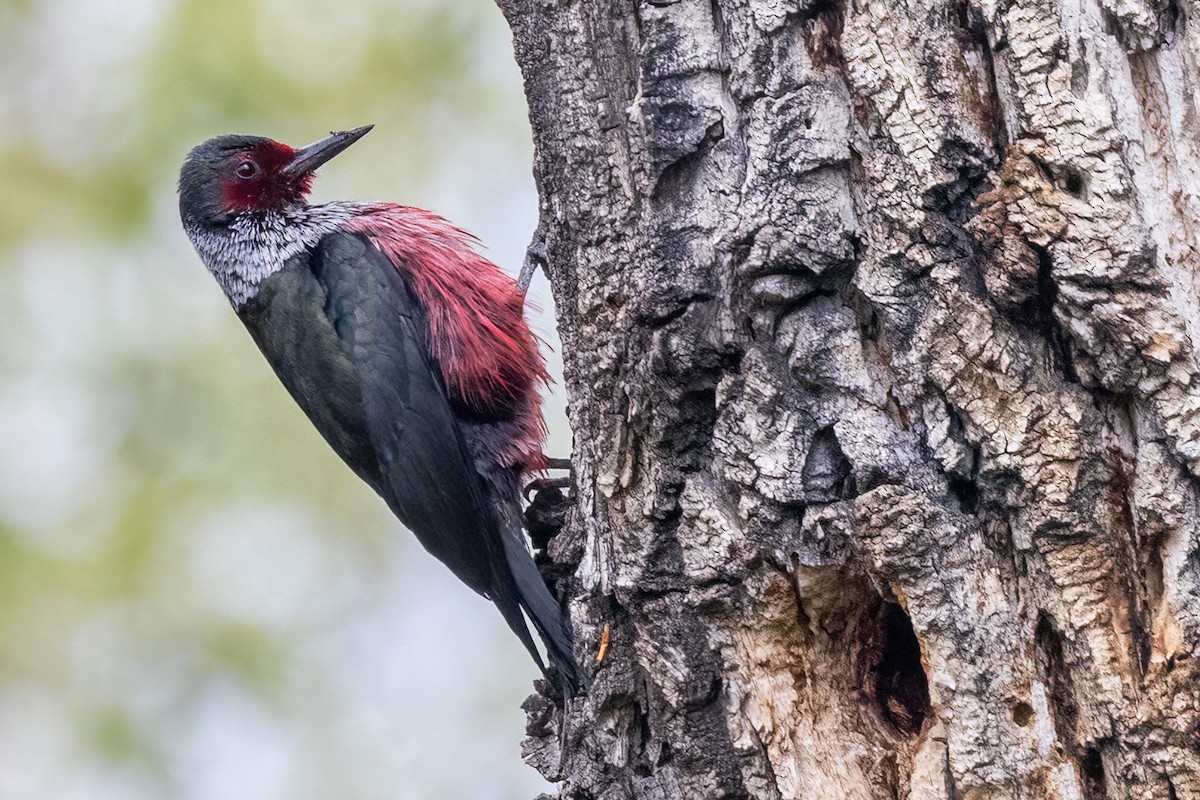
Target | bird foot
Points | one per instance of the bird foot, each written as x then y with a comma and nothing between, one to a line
547,510
542,484
545,516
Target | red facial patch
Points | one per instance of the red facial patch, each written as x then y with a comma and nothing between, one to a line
267,189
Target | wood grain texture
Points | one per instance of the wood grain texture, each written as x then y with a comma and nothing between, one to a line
878,320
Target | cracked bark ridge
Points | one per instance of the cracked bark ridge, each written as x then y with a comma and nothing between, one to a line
879,326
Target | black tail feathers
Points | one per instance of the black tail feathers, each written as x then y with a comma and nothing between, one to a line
519,587
543,610
564,671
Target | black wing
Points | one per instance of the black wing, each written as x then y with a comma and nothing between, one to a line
426,474
348,341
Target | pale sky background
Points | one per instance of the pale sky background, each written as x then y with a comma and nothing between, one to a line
197,599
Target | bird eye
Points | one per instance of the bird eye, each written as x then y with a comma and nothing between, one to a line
247,170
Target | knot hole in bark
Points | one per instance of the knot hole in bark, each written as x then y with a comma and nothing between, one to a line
893,675
962,477
1091,775
1059,684
1041,309
1064,707
827,472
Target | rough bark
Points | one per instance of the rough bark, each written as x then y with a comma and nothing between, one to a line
879,321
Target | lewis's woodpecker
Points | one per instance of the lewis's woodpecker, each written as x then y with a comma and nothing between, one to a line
408,350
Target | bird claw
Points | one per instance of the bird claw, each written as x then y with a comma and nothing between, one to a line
545,517
547,509
541,484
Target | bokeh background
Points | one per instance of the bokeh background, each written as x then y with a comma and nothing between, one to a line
197,599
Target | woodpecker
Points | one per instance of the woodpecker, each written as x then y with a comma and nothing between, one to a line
407,350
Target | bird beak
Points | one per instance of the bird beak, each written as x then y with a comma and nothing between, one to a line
307,159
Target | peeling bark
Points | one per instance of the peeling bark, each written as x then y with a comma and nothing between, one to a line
878,321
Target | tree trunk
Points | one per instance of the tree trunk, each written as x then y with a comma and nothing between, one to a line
878,321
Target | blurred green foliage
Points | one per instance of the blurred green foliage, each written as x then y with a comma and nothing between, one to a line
196,598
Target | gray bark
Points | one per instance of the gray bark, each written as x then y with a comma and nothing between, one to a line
879,323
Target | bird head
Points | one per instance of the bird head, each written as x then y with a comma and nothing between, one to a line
231,175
